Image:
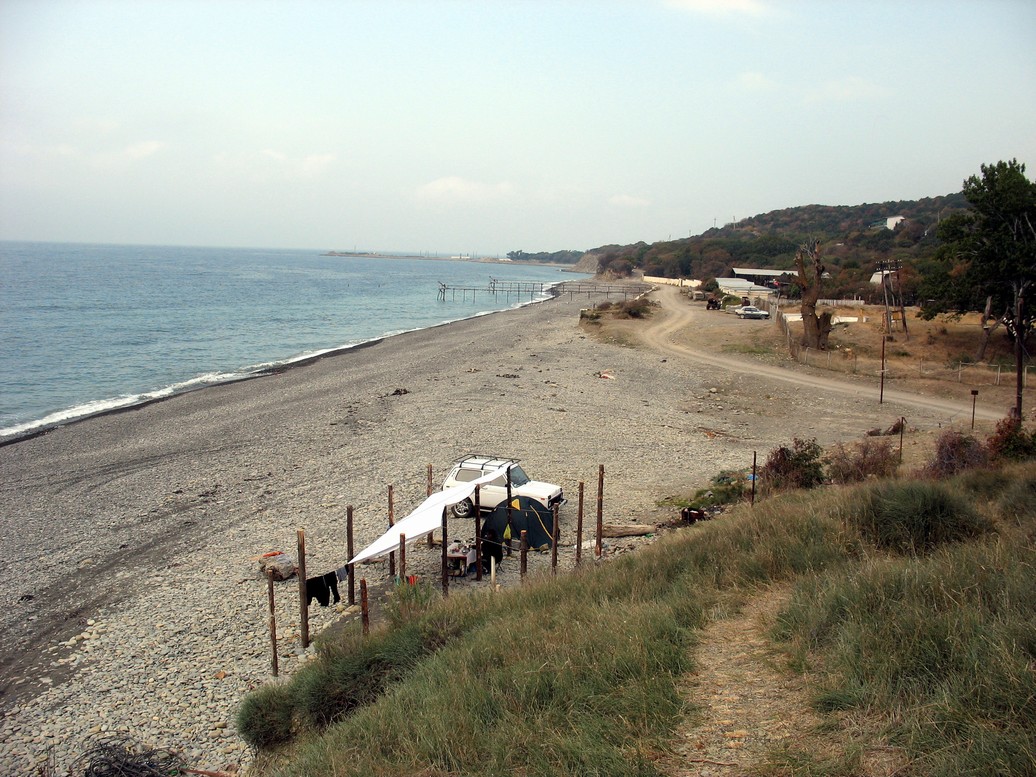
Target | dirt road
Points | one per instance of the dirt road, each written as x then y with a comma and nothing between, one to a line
682,323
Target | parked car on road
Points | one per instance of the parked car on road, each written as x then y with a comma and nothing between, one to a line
751,311
495,492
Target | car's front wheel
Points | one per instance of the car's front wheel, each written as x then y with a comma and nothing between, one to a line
463,509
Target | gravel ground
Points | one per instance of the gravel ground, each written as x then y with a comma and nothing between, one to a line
132,600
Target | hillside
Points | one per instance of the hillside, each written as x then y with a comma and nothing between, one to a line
855,239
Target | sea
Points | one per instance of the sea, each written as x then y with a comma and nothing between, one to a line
88,329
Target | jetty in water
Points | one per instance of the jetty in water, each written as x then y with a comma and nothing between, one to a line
534,289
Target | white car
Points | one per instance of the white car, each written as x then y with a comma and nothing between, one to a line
495,492
750,311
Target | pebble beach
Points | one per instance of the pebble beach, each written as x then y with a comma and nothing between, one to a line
132,600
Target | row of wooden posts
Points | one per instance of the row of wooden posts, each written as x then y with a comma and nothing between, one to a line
364,610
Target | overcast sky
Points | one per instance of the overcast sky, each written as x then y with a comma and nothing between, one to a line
493,125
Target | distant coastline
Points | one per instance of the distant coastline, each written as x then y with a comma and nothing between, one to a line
477,259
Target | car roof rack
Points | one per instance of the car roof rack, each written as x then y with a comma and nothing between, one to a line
482,459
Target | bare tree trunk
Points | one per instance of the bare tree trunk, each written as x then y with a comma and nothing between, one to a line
810,271
1019,350
987,330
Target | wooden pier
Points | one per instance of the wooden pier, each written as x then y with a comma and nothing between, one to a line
533,289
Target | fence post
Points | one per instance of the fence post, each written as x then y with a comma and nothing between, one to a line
391,522
579,526
600,507
445,567
431,534
349,550
273,618
554,543
364,609
303,593
402,556
754,455
478,534
523,551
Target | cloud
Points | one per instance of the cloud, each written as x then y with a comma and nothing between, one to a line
754,81
848,89
317,163
721,7
628,201
143,149
454,189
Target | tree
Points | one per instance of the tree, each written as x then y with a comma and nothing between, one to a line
991,252
815,329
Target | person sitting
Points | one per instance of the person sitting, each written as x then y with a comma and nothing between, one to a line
491,549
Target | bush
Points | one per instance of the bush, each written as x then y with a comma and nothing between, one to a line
796,467
265,717
1010,441
635,308
868,457
914,517
955,452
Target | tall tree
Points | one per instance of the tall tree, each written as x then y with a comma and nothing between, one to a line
815,329
992,254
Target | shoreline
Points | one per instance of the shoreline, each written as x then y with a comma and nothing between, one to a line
42,426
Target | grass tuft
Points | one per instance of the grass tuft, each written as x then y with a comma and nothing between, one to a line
914,516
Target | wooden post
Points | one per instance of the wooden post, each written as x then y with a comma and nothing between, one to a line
445,568
431,534
881,394
402,557
392,555
273,618
523,554
365,613
579,526
478,535
600,508
507,530
303,593
902,426
349,550
754,454
554,543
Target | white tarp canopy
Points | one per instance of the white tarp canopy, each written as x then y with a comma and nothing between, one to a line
427,517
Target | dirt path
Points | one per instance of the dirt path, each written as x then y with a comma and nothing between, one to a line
682,322
747,704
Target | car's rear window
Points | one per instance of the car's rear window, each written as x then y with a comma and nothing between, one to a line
467,475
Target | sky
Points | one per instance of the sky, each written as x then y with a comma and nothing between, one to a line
491,126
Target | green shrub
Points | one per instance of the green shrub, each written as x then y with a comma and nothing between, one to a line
913,516
799,466
955,452
265,717
869,457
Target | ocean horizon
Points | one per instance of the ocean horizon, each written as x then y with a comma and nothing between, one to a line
87,329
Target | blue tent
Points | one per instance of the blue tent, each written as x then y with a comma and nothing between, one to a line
527,515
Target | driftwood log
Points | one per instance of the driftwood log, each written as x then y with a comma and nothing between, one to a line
631,530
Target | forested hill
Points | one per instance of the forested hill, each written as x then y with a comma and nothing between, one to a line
854,240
